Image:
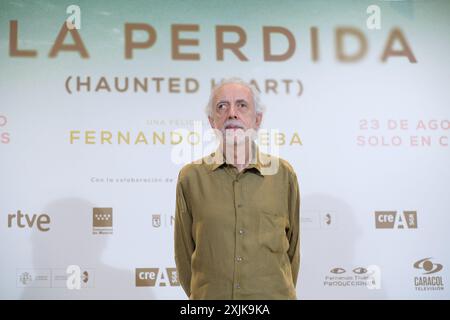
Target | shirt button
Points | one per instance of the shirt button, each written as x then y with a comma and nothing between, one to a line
239,259
239,205
241,232
237,285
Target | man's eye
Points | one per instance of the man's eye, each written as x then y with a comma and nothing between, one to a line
242,105
221,106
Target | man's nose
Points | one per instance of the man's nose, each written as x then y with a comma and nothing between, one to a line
232,114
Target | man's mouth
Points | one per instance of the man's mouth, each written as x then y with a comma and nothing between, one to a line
233,127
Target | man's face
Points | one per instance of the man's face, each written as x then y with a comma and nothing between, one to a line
234,112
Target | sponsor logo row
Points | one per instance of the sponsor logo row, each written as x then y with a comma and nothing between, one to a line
102,220
428,277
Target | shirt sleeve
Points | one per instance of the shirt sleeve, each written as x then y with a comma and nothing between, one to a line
293,234
184,243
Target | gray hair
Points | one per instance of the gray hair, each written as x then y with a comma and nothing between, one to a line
259,107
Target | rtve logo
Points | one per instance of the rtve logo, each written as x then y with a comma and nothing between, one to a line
151,277
395,220
41,221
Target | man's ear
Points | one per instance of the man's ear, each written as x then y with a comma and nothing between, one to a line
211,121
259,117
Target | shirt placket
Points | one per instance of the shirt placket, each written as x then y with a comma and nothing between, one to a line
239,232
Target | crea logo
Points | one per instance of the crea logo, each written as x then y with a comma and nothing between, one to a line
395,220
161,277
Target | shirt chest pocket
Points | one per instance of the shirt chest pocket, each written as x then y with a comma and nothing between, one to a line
272,233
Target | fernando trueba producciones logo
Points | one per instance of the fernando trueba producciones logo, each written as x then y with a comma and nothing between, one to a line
156,277
369,277
102,221
430,279
396,220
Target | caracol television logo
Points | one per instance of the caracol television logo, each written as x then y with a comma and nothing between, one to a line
156,277
102,221
430,278
396,220
339,277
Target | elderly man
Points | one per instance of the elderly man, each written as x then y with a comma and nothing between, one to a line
237,223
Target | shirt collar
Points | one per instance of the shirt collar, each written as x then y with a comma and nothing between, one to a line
217,159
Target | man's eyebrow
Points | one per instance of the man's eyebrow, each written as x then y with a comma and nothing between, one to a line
222,101
242,100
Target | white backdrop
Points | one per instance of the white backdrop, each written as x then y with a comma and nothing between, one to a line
369,140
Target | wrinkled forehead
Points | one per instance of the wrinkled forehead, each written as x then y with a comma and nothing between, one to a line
232,92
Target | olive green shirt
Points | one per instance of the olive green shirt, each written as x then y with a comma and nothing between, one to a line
237,233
